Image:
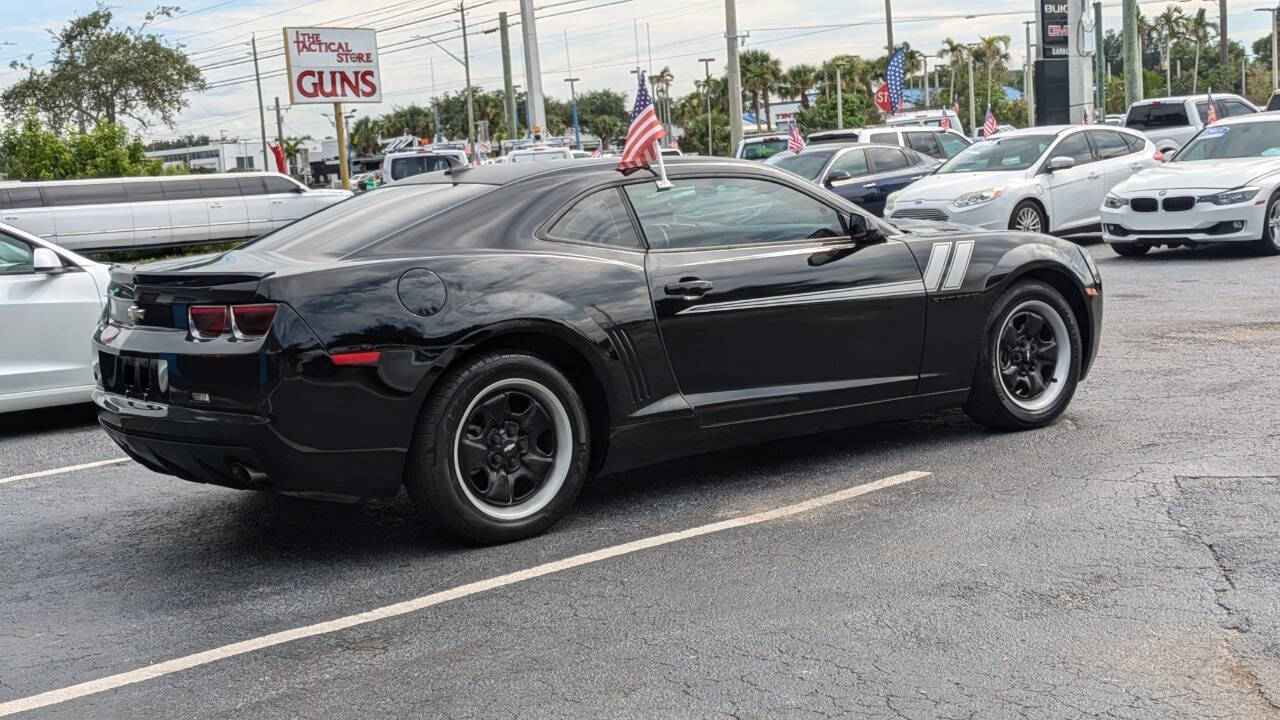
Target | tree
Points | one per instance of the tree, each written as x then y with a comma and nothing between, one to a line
796,83
605,127
364,136
291,147
1199,29
760,73
31,151
99,73
821,115
412,120
957,54
1169,27
994,50
695,134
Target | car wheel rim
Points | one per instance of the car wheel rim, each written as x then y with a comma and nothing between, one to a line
1028,220
1273,224
1033,356
513,449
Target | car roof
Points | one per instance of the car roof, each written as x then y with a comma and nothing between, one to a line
845,145
1179,98
606,168
1258,117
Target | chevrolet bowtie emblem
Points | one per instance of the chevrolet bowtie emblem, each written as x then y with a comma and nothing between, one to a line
136,313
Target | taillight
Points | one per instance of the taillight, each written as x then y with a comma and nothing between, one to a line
1159,156
245,322
207,321
252,321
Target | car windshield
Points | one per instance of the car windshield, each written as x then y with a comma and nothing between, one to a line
1246,140
761,149
806,165
1018,152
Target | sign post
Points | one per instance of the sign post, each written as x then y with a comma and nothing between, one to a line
333,65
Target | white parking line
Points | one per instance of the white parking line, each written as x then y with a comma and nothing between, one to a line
67,469
167,667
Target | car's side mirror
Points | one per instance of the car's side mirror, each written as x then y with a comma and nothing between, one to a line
862,231
836,176
1061,162
44,260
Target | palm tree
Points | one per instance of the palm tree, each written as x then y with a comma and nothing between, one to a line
1170,26
760,74
796,83
291,147
956,53
1199,29
364,135
994,50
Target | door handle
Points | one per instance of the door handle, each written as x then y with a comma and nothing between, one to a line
869,185
277,202
690,289
1093,176
916,177
10,218
215,205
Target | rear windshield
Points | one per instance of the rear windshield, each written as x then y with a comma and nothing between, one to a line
537,157
352,224
416,165
1154,115
761,149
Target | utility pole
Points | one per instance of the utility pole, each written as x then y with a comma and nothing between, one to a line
706,91
280,136
735,75
888,23
435,104
466,65
1099,63
972,127
573,92
1028,76
925,60
340,125
509,106
1133,91
532,69
262,111
839,101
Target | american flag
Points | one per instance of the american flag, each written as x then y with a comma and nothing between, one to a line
643,135
1212,117
597,152
893,77
1084,115
795,143
990,127
945,122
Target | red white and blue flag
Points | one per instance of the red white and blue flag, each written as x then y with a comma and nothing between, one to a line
990,127
894,73
597,152
945,122
795,143
1212,117
643,135
1084,115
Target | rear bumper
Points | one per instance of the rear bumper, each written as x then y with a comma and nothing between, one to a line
242,451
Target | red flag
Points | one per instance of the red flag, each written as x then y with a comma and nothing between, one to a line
795,143
990,127
945,122
643,135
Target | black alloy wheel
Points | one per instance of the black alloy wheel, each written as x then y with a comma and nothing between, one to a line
507,447
1030,354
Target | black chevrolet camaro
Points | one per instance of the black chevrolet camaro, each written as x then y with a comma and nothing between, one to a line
490,337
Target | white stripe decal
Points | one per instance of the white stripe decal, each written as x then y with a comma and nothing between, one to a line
865,292
937,262
959,265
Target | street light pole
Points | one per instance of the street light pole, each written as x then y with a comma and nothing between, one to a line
573,92
532,68
706,91
972,127
466,66
262,111
888,23
1028,76
735,74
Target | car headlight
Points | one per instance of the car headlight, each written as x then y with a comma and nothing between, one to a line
890,200
977,197
1231,197
1114,201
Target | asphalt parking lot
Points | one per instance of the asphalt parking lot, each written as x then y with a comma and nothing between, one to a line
1121,563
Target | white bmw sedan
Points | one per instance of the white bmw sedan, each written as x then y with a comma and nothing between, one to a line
1045,179
1222,186
50,301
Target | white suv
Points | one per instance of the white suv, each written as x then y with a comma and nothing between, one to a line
932,141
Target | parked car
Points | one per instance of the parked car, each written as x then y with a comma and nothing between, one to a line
760,147
981,132
50,301
1172,121
1045,179
542,153
1273,103
163,211
928,118
934,142
364,182
400,165
671,152
862,174
1114,119
1222,186
490,337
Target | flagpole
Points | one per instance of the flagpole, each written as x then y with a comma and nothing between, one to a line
663,182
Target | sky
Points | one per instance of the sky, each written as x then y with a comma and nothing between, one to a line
602,39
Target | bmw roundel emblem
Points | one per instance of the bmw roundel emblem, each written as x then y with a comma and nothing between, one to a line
1162,193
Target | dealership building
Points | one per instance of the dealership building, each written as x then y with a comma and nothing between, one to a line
238,155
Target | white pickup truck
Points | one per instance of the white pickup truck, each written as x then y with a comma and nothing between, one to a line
1171,121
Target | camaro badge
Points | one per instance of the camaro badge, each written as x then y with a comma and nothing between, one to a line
136,313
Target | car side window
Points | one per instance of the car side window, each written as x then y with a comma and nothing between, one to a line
144,191
853,162
1202,109
951,145
278,185
1234,108
924,142
715,212
1110,144
15,257
887,159
182,190
252,186
1135,143
886,138
220,187
84,194
20,197
599,218
1074,146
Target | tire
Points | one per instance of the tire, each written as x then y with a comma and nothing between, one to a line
1269,243
1016,404
1027,216
1130,249
501,450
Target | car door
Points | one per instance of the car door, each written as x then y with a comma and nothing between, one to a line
925,143
152,221
23,208
952,143
47,320
288,200
1115,159
856,188
765,305
90,215
891,170
188,211
228,219
1075,193
257,206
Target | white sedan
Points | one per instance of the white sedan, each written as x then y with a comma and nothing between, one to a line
1045,179
50,300
1222,186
